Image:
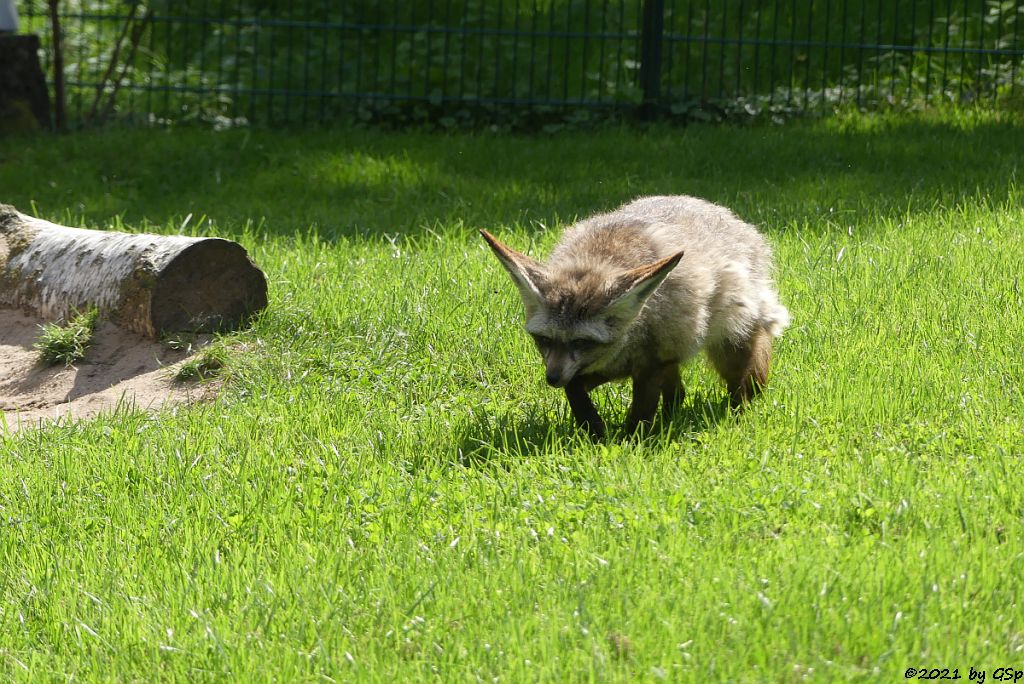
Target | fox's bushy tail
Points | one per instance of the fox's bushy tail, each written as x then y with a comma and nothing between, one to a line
774,316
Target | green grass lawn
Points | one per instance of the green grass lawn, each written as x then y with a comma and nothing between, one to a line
387,490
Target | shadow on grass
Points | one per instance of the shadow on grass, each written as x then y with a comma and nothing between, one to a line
825,174
503,439
700,412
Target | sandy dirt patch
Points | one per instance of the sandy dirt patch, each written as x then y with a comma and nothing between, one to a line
120,368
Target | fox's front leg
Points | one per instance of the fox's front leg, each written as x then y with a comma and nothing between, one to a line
583,410
672,391
648,386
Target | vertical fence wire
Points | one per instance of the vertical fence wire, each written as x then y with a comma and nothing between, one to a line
267,61
928,55
824,56
963,49
757,50
981,28
1018,15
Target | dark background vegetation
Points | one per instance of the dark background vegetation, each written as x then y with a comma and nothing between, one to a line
342,182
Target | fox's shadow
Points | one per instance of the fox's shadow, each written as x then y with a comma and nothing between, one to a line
488,439
701,411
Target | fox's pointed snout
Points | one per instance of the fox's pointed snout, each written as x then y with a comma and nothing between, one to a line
560,367
556,378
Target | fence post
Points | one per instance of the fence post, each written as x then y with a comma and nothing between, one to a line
651,37
8,17
24,100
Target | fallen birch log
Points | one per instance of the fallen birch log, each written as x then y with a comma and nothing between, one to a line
151,284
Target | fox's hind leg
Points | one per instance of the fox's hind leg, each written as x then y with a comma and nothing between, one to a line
743,366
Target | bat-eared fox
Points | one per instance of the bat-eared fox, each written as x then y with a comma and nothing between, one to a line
638,291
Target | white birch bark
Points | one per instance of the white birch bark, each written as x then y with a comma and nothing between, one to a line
151,284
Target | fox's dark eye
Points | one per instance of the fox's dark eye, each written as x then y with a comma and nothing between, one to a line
583,345
542,341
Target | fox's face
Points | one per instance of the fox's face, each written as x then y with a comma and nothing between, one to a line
568,348
579,316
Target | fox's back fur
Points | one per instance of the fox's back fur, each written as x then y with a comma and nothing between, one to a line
651,284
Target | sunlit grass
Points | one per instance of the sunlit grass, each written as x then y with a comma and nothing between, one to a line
387,490
207,363
66,343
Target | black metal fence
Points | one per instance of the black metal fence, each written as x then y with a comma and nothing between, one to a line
453,62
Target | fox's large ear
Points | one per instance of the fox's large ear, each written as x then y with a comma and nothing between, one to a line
632,288
527,273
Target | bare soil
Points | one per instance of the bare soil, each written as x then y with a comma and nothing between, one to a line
121,368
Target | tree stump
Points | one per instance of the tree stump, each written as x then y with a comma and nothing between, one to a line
24,100
151,284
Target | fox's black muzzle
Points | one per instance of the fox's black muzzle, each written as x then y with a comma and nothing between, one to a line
559,367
